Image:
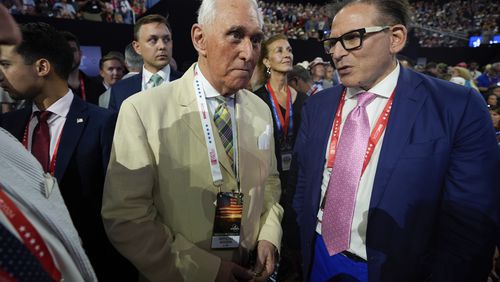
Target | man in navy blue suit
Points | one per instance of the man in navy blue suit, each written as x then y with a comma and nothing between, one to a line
395,169
153,41
71,138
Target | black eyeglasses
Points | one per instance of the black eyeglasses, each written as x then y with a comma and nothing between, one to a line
351,40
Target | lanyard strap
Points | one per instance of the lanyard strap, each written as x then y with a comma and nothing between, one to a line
29,235
52,165
284,124
82,89
206,124
374,136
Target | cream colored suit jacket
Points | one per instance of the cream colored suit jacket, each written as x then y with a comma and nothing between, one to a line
158,203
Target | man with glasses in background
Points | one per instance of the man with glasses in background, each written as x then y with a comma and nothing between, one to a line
394,168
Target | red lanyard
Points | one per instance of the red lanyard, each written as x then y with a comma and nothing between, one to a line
30,237
82,89
52,165
374,136
284,121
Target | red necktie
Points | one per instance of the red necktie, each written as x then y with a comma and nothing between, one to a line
345,176
40,143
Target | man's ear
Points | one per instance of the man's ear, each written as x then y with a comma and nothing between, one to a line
42,67
399,34
136,47
198,36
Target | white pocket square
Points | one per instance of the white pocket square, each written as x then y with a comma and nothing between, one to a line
265,139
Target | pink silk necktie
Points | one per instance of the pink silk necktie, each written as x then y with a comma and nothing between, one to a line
345,176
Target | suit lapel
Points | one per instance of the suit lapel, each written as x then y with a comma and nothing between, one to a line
407,103
76,121
136,85
321,128
17,122
191,117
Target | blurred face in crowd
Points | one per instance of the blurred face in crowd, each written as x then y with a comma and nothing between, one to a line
77,55
112,71
492,100
280,56
300,85
329,72
19,79
375,58
495,117
229,46
155,45
496,91
318,71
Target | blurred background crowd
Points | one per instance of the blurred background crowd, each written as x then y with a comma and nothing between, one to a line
436,23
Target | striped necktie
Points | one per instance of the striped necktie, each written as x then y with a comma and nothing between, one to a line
156,79
222,119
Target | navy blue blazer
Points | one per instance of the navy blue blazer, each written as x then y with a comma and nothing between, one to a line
81,164
434,205
128,87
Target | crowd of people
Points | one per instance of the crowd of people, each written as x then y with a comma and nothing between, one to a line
436,23
112,11
248,166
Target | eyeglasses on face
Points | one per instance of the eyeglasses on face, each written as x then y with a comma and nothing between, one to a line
351,40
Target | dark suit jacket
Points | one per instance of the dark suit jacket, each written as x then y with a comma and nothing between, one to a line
128,87
433,206
93,88
81,163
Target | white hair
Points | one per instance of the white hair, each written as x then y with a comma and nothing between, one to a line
207,12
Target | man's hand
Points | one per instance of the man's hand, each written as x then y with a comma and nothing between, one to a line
264,265
229,271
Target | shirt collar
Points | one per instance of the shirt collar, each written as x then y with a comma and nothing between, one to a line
164,73
60,107
210,91
383,89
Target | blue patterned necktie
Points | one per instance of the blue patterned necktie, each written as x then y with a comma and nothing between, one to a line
17,261
222,119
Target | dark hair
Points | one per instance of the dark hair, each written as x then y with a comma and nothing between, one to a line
430,65
71,37
264,51
113,55
41,40
299,72
391,11
153,18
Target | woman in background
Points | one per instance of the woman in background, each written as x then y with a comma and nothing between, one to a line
276,61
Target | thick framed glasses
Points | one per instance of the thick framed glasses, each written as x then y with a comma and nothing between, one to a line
351,40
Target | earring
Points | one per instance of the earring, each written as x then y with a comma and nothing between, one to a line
268,71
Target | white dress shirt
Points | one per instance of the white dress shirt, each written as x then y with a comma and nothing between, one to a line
146,77
213,96
383,90
56,121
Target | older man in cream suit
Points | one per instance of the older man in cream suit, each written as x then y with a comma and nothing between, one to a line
170,163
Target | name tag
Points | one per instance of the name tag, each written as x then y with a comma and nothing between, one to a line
227,221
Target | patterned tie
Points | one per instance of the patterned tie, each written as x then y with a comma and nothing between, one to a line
345,176
222,119
156,79
40,143
17,261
